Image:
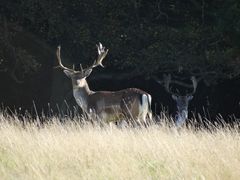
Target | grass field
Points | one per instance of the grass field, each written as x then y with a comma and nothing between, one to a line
73,151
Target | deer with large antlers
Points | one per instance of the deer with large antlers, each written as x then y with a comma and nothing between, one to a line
110,106
182,101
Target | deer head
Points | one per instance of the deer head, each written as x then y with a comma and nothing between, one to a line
182,101
78,77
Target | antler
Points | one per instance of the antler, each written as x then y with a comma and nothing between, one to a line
98,62
194,84
102,53
167,80
60,61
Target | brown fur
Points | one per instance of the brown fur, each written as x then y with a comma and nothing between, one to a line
113,104
128,101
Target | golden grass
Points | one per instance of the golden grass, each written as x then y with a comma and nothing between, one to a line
71,151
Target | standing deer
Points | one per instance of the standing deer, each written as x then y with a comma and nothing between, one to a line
110,106
182,101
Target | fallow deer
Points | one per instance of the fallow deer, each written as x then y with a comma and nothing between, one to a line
111,106
182,101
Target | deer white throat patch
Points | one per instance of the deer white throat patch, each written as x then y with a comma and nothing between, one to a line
81,82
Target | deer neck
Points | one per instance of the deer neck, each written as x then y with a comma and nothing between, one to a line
81,93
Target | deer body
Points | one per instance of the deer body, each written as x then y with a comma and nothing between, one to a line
113,105
130,103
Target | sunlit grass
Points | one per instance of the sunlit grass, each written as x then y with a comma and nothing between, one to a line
73,151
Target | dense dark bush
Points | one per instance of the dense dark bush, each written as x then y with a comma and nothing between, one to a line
146,38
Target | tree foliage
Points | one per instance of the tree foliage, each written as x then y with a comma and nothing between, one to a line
200,38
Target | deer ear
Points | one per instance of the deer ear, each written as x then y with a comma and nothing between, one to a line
68,73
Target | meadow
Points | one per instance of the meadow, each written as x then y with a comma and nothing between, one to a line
72,150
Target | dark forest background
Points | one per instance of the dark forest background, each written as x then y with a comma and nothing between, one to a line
146,39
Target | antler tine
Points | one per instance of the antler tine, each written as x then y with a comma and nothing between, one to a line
194,83
167,80
102,53
60,61
81,68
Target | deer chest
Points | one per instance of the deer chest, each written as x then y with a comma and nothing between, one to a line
80,99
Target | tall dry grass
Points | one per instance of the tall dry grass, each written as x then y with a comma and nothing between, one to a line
72,151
